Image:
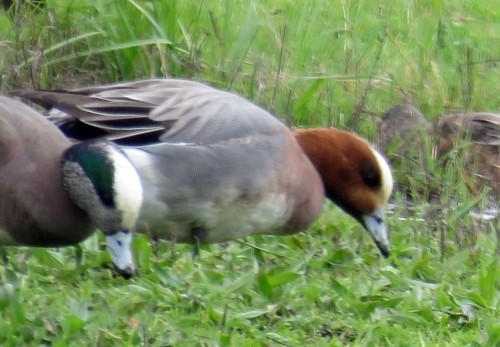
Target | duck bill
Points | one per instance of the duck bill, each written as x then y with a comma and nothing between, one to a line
375,225
119,247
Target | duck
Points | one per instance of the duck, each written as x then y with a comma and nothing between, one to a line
402,130
479,134
479,127
402,127
56,193
216,167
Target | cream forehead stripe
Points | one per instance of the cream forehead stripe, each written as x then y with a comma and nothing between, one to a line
128,188
387,181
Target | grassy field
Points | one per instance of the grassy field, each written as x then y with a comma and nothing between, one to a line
312,63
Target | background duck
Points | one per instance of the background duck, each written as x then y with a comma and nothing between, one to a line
476,134
402,130
53,193
216,167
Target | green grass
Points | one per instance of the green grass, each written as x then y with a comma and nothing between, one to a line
312,63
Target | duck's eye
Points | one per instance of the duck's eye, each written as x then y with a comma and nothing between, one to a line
370,176
119,243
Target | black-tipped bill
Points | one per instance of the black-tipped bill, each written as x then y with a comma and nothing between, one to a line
375,225
119,247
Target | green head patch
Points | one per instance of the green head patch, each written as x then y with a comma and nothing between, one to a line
95,162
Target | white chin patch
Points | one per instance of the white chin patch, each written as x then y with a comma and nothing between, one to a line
119,247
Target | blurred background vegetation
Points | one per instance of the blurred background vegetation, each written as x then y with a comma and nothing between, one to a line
334,63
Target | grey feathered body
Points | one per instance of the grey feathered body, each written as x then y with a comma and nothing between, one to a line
214,166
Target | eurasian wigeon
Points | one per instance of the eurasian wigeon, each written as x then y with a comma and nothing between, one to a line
53,193
216,167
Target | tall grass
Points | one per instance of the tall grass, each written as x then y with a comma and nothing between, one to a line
428,52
